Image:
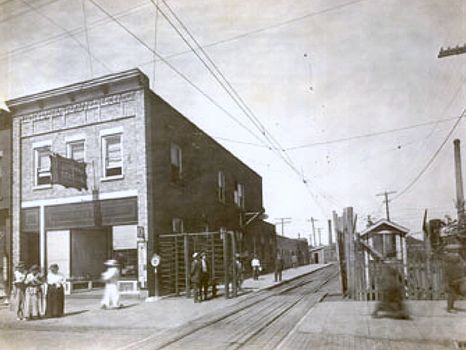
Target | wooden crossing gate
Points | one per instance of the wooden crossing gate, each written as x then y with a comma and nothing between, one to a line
422,279
176,251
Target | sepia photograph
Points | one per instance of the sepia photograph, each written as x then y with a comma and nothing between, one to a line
232,174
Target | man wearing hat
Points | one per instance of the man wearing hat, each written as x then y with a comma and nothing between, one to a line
205,274
18,296
196,276
111,297
454,275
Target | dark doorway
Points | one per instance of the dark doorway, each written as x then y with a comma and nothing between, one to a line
30,248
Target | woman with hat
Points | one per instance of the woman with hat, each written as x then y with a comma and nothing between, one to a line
19,287
33,293
55,293
111,297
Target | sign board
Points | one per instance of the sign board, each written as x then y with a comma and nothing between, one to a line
155,261
68,172
140,233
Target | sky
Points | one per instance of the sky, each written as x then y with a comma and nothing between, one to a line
350,95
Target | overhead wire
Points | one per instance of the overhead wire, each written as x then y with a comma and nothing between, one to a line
47,41
91,71
431,160
372,134
174,69
231,91
35,9
224,82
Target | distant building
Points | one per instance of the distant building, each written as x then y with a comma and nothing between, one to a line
150,172
317,255
293,246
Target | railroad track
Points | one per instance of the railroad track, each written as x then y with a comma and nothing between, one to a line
261,321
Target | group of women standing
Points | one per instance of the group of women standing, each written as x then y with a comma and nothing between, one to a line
31,290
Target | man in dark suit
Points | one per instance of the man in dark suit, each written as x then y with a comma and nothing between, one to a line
196,276
278,267
205,274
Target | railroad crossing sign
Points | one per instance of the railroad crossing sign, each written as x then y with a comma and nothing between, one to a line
155,260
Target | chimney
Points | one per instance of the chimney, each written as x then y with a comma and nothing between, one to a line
330,238
459,183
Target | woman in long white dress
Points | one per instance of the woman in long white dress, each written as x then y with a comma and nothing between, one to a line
111,297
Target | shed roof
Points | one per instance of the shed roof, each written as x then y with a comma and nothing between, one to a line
384,224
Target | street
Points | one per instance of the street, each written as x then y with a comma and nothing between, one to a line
259,319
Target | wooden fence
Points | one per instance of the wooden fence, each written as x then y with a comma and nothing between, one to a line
421,279
176,252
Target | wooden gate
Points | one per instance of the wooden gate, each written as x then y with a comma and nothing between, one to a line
176,252
422,279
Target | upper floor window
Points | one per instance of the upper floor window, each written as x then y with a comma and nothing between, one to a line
176,162
221,186
112,155
239,195
75,150
42,169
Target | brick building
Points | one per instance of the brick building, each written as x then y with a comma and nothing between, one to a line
150,171
5,217
292,246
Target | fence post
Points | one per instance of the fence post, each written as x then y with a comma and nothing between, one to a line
177,289
225,264
186,265
234,272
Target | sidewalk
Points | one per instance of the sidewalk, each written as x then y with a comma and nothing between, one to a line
349,325
83,309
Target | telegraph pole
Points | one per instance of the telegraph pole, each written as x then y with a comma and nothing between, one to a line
459,183
319,231
385,194
312,220
283,222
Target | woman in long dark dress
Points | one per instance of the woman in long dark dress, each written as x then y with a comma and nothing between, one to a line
55,293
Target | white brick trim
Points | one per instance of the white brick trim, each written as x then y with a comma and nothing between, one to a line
116,130
78,199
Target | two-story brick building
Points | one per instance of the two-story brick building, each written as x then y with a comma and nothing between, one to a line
150,171
5,213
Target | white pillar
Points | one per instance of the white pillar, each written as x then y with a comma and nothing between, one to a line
42,238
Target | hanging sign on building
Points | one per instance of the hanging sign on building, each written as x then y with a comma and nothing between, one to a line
68,172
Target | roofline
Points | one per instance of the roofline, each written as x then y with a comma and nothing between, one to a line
77,87
381,222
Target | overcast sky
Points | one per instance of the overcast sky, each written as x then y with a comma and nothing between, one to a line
311,71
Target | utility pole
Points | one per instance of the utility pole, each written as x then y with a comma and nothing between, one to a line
458,50
385,194
312,220
319,230
330,237
283,222
459,184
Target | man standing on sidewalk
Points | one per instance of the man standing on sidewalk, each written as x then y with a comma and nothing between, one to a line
205,272
196,276
278,267
256,265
